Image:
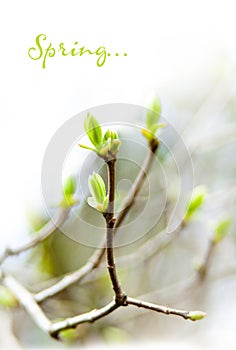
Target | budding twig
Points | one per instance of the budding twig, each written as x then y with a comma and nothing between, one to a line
95,259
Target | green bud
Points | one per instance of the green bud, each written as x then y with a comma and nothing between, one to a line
153,114
152,118
114,135
196,315
148,134
98,190
221,230
69,189
93,130
110,134
114,147
198,197
69,186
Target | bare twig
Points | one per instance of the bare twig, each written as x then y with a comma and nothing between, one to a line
94,261
129,200
91,316
203,270
42,234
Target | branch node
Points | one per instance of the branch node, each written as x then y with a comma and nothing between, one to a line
121,299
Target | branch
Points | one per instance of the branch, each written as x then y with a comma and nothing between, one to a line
91,316
151,248
129,200
203,270
42,234
26,299
94,261
110,223
187,315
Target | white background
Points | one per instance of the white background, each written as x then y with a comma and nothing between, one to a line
167,43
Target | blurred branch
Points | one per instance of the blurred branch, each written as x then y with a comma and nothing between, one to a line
95,259
203,269
26,299
41,235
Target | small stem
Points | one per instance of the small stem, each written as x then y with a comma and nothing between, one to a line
110,223
90,316
187,315
202,272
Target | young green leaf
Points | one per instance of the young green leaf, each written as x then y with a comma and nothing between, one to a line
69,186
152,119
153,114
69,189
87,147
97,188
196,201
93,130
221,230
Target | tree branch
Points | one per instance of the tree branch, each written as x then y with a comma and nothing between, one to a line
26,299
42,234
203,270
110,223
91,316
95,259
187,315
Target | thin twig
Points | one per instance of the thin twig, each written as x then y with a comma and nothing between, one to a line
91,316
48,229
203,270
94,261
187,315
110,223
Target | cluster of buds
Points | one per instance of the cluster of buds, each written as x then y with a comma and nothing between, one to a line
107,145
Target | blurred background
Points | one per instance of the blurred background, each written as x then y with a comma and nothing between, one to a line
182,51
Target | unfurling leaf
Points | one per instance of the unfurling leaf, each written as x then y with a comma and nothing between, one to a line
97,188
105,146
69,189
152,119
93,130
